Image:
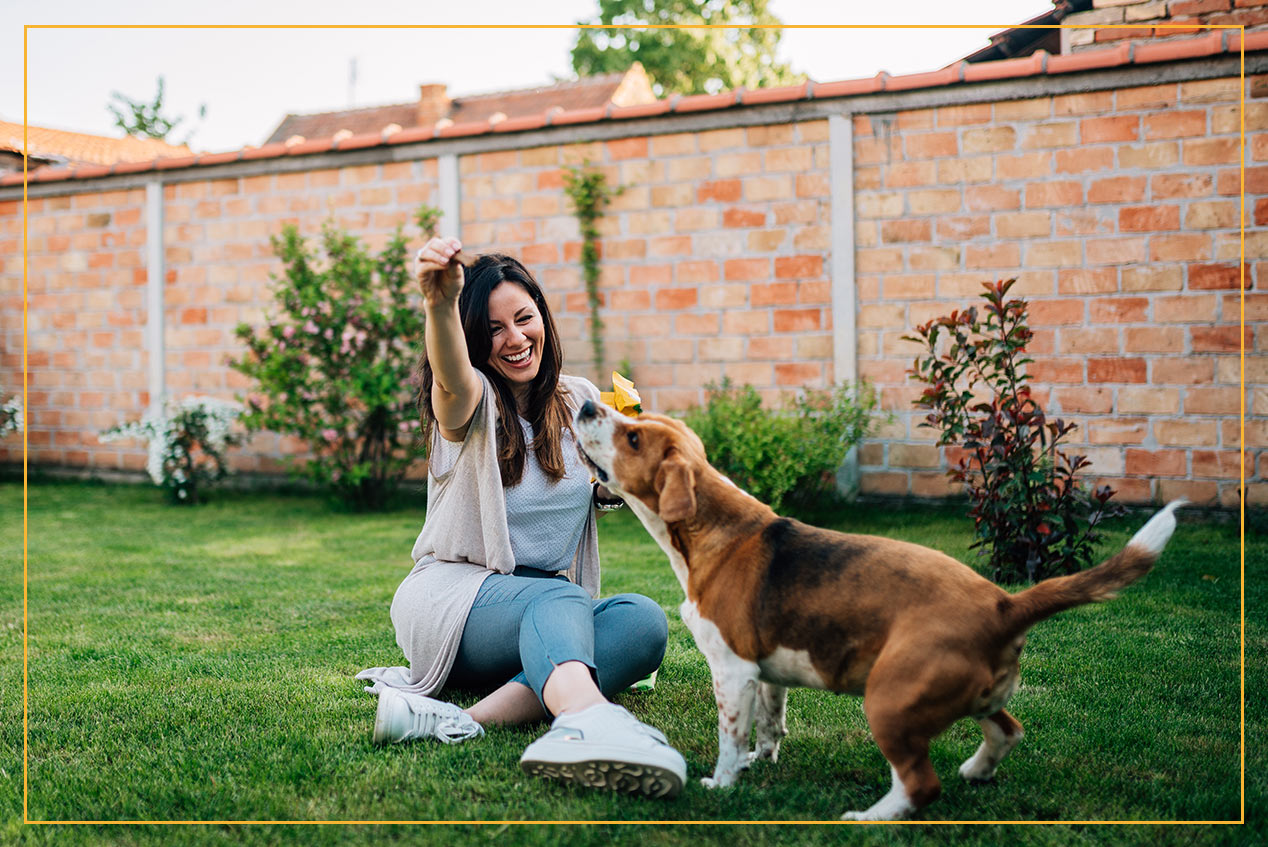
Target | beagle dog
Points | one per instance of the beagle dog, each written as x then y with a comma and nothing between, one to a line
774,603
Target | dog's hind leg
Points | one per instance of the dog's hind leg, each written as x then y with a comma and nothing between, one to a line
735,692
768,724
1001,733
903,722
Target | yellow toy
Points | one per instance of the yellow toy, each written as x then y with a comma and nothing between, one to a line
623,397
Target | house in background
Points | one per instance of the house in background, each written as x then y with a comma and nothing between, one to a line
61,148
435,108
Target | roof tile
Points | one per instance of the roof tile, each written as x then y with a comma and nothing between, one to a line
706,102
1179,48
1110,57
949,75
1006,68
780,94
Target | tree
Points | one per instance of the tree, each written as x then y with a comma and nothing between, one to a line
146,120
695,60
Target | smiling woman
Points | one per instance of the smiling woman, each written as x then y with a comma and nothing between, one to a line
503,593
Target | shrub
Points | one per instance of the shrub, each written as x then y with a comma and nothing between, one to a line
187,443
788,457
11,415
333,367
1032,517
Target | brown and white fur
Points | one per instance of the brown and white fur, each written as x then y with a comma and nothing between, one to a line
774,603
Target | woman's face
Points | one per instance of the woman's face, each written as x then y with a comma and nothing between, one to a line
518,333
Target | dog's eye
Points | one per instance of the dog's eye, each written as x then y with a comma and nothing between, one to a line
632,437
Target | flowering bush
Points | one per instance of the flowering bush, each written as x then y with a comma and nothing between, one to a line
333,366
187,443
784,458
11,416
1032,517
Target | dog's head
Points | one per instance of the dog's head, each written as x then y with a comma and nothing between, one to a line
652,458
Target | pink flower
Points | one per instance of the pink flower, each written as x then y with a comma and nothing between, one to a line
330,435
311,328
288,331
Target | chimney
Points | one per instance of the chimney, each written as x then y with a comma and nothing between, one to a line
433,103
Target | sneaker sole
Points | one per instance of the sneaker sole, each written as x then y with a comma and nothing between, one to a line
622,777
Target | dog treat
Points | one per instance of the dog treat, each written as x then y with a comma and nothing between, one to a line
623,397
427,281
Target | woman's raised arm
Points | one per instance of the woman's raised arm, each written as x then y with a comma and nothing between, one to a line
455,390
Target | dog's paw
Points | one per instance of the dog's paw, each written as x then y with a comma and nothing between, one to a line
709,782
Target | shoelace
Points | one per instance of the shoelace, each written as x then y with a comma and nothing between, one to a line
449,728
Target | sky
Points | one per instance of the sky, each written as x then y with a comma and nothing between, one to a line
249,79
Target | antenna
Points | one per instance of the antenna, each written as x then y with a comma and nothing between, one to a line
352,81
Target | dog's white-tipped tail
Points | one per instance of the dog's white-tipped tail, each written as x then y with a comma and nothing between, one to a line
1155,534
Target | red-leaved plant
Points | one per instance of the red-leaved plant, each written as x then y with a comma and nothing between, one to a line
1032,517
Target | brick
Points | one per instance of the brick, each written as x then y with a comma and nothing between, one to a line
1084,400
798,374
991,198
1114,128
1024,166
931,145
1024,225
1186,433
931,258
993,139
992,256
966,115
1153,218
1169,186
1220,339
1053,254
738,270
963,228
1045,194
1153,463
1153,339
722,191
1207,277
907,175
908,286
744,217
1090,341
766,240
1153,278
697,272
905,231
1116,370
1083,160
1146,97
792,267
1173,124
1148,401
978,169
1216,214
1186,308
1118,251
1212,401
797,320
674,145
1117,430
1052,135
1157,155
1211,151
1179,248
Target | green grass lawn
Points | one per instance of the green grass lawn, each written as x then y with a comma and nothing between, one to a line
196,665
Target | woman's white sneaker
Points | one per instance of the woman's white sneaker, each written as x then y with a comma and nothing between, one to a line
605,746
403,717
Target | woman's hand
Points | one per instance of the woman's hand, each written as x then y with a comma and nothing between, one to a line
438,269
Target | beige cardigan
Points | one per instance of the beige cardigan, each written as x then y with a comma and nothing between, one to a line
463,540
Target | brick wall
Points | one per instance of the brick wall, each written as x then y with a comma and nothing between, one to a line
1118,213
1117,210
714,258
1122,20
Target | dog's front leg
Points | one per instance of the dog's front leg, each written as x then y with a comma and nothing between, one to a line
735,690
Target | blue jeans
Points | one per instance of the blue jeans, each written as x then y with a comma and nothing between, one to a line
524,624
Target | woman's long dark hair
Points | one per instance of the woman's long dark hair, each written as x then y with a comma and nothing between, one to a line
546,410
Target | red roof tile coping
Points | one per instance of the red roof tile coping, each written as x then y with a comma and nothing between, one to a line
579,116
780,94
1223,41
1030,65
469,128
359,142
131,167
304,148
416,133
268,151
219,158
1179,48
91,171
643,110
706,102
947,76
847,87
520,124
168,164
1109,57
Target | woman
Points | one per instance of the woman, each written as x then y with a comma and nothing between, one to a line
506,566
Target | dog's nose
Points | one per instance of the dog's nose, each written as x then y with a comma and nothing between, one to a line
588,410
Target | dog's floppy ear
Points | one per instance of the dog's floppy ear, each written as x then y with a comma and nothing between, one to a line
676,487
